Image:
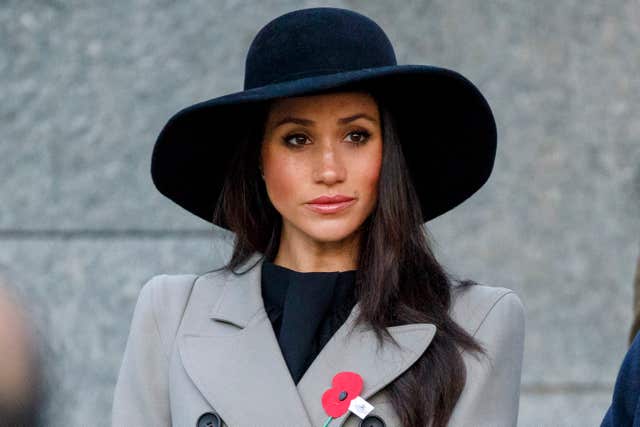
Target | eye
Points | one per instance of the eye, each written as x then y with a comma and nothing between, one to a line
362,136
298,138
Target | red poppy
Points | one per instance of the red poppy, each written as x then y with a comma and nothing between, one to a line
345,386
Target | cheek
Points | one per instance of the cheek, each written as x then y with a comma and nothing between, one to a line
284,178
369,174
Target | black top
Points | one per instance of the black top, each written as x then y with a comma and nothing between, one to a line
305,310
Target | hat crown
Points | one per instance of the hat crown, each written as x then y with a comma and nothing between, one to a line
315,41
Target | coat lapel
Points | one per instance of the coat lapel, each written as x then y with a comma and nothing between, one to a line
231,353
357,350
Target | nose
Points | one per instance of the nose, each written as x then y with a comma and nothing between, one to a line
328,165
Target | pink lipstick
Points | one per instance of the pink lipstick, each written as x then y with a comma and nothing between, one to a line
330,204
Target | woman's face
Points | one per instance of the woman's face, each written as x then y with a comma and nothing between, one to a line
322,145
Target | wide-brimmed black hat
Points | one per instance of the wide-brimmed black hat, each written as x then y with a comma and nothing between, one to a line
445,125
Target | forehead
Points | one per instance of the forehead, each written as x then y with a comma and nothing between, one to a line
326,103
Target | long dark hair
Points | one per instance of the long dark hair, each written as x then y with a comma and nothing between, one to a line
404,281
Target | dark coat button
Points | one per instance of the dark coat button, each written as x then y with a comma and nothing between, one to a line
209,419
372,421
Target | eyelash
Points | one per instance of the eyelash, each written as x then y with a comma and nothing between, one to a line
366,135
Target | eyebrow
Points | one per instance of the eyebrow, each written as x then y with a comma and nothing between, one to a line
308,122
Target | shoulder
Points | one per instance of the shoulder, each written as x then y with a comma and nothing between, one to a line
162,300
166,290
625,403
172,295
480,306
168,294
494,316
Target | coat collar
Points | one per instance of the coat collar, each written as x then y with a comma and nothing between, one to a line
236,362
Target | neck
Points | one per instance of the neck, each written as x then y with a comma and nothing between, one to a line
306,255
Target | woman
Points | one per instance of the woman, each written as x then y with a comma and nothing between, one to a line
325,168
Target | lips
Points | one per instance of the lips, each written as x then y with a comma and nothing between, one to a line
339,198
330,204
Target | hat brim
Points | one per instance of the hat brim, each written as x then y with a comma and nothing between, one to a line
445,125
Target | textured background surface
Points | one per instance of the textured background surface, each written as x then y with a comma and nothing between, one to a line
87,86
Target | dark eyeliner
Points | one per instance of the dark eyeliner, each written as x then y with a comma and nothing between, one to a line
365,136
286,138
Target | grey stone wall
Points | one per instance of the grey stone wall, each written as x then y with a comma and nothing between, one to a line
86,87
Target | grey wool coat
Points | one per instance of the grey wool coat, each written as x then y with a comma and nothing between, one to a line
204,343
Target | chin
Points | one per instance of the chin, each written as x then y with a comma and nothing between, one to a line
330,232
